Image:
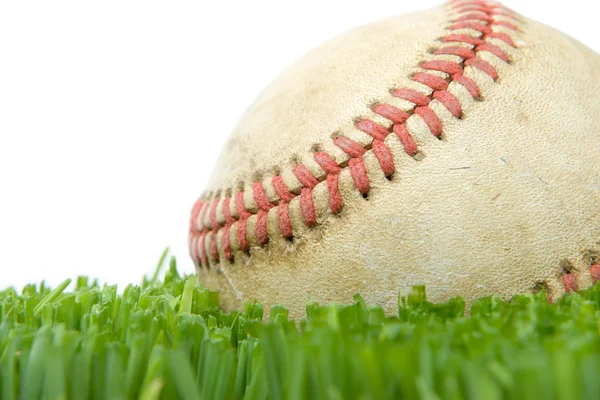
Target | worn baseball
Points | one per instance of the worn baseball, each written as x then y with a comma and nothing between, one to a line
456,148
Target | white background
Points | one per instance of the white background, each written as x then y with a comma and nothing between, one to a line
112,114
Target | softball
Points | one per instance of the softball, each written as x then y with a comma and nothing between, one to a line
456,148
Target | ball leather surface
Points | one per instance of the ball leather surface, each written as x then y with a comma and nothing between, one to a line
505,201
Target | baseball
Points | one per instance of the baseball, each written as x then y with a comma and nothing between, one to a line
456,148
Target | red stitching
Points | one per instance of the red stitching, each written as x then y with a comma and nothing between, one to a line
241,233
595,272
505,24
472,9
261,227
212,215
455,37
242,222
226,243
304,176
479,16
227,212
482,7
472,25
411,95
431,119
327,163
194,248
488,9
359,175
392,113
349,146
493,49
384,156
434,82
201,247
448,67
201,242
462,52
285,224
501,36
483,66
569,282
239,205
375,130
307,207
203,210
464,3
260,197
335,198
475,15
468,84
449,101
282,190
410,147
467,3
194,215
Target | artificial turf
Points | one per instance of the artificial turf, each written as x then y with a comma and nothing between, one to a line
168,339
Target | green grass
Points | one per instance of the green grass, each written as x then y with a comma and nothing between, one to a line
168,339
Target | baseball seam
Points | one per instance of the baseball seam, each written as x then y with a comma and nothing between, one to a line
569,274
221,223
